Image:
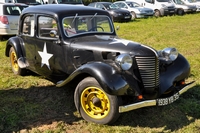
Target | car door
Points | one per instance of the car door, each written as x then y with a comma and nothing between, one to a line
49,56
28,37
43,53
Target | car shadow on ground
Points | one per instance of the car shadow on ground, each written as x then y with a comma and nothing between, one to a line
37,106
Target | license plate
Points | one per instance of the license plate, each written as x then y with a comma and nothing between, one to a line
127,17
168,100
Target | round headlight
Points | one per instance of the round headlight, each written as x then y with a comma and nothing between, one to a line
170,53
124,61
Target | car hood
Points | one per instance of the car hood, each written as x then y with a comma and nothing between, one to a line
185,6
168,4
111,44
118,11
142,8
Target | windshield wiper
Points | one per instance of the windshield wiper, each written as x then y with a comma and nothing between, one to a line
74,18
93,16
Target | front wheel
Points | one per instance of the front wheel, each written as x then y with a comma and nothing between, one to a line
180,12
94,104
157,13
133,15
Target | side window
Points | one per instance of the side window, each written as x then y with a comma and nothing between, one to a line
100,6
47,26
123,5
28,25
149,1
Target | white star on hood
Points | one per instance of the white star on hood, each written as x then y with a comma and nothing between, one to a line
125,42
45,56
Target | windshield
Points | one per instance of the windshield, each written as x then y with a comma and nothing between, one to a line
178,2
191,1
163,0
70,2
30,2
110,6
13,9
76,25
133,4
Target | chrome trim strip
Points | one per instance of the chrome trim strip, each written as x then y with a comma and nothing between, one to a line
147,103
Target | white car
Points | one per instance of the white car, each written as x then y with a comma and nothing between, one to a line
136,10
182,8
193,2
9,17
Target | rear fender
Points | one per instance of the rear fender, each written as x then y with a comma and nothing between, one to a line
111,80
17,44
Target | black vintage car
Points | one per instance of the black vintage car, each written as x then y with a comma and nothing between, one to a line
78,45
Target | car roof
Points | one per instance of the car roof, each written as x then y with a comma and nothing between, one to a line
13,4
103,2
64,9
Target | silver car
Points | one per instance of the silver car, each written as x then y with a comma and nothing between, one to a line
182,8
136,10
9,17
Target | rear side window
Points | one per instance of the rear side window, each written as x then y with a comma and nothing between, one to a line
28,25
13,9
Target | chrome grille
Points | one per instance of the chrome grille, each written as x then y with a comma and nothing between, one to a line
149,71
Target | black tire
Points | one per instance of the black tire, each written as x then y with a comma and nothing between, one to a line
1,38
157,13
94,104
133,15
180,12
14,65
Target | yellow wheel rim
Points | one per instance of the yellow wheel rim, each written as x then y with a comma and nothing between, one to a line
13,59
95,103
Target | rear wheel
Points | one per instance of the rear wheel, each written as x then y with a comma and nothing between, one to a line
1,38
94,104
14,65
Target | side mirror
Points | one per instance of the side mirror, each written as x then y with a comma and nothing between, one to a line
53,33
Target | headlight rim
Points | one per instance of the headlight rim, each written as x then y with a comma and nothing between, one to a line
124,61
169,54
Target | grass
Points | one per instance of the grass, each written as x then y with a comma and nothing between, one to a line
32,104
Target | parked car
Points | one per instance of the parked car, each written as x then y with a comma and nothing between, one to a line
193,2
182,8
160,7
78,45
74,2
135,9
30,2
116,13
9,17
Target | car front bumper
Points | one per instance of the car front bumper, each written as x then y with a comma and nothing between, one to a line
144,15
147,103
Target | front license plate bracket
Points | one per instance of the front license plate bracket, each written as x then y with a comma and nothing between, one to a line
168,100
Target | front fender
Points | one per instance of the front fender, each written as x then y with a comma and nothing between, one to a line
17,44
111,80
179,70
